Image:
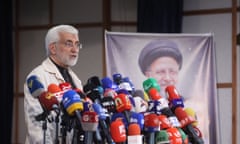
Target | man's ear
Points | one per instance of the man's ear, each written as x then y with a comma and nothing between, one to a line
52,48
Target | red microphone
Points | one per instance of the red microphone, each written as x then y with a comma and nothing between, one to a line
89,121
183,117
56,91
134,129
65,86
174,136
134,134
123,105
49,99
122,102
164,122
185,120
172,93
118,131
154,94
151,125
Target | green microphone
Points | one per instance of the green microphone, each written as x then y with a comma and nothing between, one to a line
150,83
183,135
161,137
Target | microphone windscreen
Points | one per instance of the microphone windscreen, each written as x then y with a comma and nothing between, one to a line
108,83
154,94
162,137
117,78
137,118
172,93
134,129
118,131
122,102
126,86
89,121
34,85
94,80
151,122
120,116
150,83
141,105
183,117
174,136
184,136
65,86
109,104
48,101
192,113
100,111
164,122
72,102
56,91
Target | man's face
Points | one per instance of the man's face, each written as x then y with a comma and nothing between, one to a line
66,50
165,70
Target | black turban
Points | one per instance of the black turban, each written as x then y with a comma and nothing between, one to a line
156,49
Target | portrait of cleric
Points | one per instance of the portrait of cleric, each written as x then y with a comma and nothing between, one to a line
162,60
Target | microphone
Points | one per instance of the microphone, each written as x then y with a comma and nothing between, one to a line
123,104
150,83
164,122
141,105
89,121
109,104
159,104
123,82
134,134
130,97
49,99
184,136
192,113
117,78
151,125
89,125
174,97
137,118
174,136
35,87
65,86
56,91
185,120
107,83
161,137
120,116
102,117
72,103
118,131
127,85
92,91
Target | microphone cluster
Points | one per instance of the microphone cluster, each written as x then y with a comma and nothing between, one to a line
111,110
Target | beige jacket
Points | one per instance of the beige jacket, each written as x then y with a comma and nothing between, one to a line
48,74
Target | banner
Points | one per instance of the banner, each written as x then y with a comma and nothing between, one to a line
191,69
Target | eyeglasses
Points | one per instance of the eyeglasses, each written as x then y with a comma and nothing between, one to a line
70,44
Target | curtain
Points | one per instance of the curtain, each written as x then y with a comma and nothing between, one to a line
6,53
159,16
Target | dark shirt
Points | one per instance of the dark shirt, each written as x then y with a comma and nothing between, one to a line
64,72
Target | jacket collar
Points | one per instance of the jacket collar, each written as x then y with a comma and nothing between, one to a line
50,67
